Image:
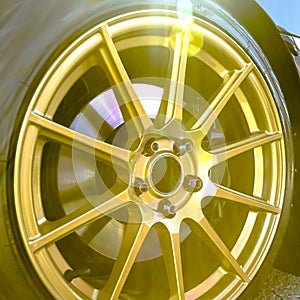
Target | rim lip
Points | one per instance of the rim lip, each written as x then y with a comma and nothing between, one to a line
266,76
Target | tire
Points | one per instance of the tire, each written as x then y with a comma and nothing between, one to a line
110,192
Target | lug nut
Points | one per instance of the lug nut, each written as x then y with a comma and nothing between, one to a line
151,147
140,186
183,147
192,183
166,207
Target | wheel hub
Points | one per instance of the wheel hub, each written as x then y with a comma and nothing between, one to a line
159,173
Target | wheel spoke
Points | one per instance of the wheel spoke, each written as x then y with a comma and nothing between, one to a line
229,151
51,231
133,240
254,203
129,103
92,229
170,245
207,233
65,136
221,98
100,126
172,99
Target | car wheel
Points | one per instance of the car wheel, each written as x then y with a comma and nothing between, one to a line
151,155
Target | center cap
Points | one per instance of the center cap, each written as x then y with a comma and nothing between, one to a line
166,174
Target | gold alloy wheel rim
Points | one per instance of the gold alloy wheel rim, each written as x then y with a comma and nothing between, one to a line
192,211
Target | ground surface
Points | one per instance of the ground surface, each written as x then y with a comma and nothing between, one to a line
280,285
